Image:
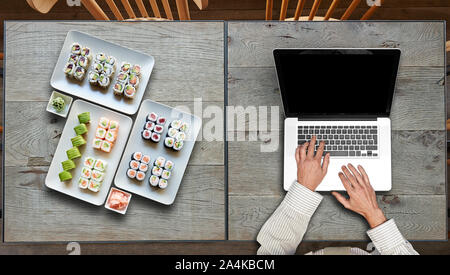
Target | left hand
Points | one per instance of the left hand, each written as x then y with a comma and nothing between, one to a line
310,169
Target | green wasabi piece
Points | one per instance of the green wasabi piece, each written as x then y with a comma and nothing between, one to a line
73,153
81,129
64,176
78,141
84,117
58,104
68,165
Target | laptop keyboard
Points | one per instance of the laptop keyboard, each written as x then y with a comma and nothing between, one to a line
343,141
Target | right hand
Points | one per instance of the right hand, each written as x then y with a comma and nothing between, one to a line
362,198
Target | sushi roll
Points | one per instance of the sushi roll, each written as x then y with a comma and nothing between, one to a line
98,67
83,183
100,57
89,162
157,171
125,67
118,88
149,125
122,77
94,186
97,175
131,173
155,137
83,62
137,156
158,129
168,142
111,60
110,136
114,126
69,69
140,176
86,52
75,48
129,91
65,176
100,165
106,146
93,78
176,124
161,121
134,164
178,145
73,153
80,129
78,141
153,180
152,117
180,136
68,165
146,134
108,70
184,127
143,167
86,172
168,165
172,132
103,123
100,133
136,69
145,159
160,161
162,183
84,117
73,58
133,80
79,73
166,174
97,143
103,80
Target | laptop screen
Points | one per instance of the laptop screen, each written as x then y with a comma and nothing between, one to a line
337,82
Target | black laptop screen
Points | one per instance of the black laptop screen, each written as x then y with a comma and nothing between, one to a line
343,82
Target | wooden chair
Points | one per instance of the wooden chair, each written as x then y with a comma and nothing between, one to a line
315,7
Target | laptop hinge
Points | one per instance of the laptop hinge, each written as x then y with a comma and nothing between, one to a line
333,118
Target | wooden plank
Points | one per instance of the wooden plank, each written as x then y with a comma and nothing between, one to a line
35,213
415,85
421,42
418,217
181,51
418,165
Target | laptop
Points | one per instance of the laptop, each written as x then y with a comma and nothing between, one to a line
344,97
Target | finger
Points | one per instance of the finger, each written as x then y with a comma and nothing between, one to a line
350,176
297,154
365,176
303,150
320,150
356,174
311,146
326,162
345,182
341,199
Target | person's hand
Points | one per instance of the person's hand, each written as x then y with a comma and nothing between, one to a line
362,199
310,169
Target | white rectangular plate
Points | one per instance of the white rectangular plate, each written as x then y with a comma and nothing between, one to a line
154,150
85,90
71,187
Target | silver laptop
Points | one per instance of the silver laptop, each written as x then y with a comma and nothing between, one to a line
344,97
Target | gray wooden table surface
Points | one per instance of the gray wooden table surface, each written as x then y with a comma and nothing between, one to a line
33,212
418,198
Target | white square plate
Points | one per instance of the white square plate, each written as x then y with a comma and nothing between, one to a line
85,90
71,187
154,150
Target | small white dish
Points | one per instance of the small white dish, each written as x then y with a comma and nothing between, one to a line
115,210
67,100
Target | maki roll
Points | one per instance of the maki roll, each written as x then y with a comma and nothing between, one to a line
131,173
157,171
146,134
155,137
134,164
161,121
176,124
86,172
68,165
106,146
103,123
100,165
84,117
113,126
94,186
79,73
108,70
153,180
73,58
118,88
158,129
166,174
136,69
69,69
101,57
89,162
103,80
93,78
178,145
110,136
86,52
180,136
125,67
140,176
75,48
149,125
143,167
172,132
162,183
111,60
83,62
129,91
65,176
184,127
97,175
137,156
145,159
133,80
160,161
122,77
168,142
80,129
83,183
98,67
73,153
97,143
100,133
168,165
78,141
152,117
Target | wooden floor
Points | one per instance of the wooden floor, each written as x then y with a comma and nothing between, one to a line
220,10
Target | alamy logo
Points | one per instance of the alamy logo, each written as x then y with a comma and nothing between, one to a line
72,3
371,3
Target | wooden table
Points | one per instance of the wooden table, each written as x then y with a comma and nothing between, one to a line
190,63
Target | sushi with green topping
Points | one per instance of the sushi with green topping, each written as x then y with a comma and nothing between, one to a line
94,186
106,146
100,57
79,73
100,165
68,165
166,174
78,141
100,133
98,67
113,125
86,172
93,78
162,183
125,67
168,165
130,91
65,176
133,80
103,122
80,129
89,162
73,153
103,80
97,175
69,69
97,143
136,69
153,180
118,88
84,117
86,52
83,62
75,48
83,183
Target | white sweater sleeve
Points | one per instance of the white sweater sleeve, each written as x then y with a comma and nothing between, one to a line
284,230
389,241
